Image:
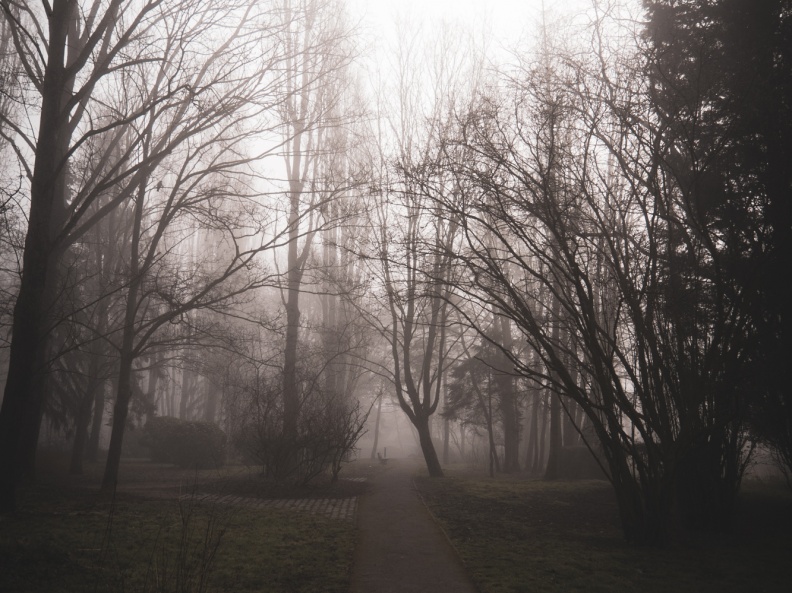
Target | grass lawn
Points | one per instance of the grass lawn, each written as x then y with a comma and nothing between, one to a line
66,538
534,536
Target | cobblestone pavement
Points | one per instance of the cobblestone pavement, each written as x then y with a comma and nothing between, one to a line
344,509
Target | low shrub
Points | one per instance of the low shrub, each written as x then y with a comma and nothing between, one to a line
188,444
327,434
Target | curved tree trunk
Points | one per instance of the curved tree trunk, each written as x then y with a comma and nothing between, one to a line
427,447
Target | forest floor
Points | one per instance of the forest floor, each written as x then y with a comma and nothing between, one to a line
167,529
381,528
528,535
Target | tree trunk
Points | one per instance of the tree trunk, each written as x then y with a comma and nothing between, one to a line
494,462
645,513
81,428
187,385
127,354
153,380
446,439
20,414
212,401
507,399
290,391
551,471
571,424
120,412
377,427
511,425
532,456
97,372
170,400
540,458
427,447
96,425
294,279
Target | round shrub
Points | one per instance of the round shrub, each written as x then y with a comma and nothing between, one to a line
159,437
188,444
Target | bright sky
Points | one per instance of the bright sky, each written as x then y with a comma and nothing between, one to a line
508,20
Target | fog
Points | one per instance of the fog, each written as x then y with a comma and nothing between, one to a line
431,263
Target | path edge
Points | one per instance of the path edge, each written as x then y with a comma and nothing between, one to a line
445,535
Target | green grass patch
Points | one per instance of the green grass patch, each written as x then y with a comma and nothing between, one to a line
65,539
535,536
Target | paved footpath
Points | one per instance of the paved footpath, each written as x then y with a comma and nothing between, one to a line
400,548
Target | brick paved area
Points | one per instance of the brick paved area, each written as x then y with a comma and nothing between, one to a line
344,509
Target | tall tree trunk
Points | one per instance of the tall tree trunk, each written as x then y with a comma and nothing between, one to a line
120,413
507,398
427,446
80,435
446,439
540,458
290,390
494,462
92,450
81,425
532,454
377,427
187,386
511,423
571,424
170,400
294,280
97,373
153,380
330,331
571,421
21,411
551,471
127,354
213,397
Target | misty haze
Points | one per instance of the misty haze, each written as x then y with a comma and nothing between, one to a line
361,296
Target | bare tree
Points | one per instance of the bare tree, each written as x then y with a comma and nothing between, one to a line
316,38
573,230
142,59
412,238
64,54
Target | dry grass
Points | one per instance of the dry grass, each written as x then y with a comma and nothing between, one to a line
529,535
68,537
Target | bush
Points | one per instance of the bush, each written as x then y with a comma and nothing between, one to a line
327,434
579,463
188,444
158,436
